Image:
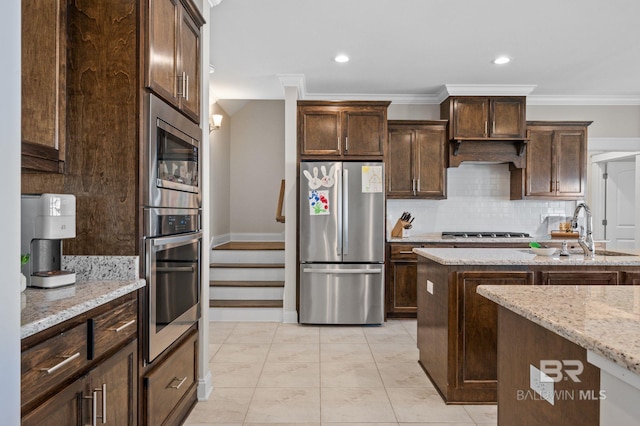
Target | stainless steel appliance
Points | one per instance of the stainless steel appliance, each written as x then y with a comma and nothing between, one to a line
171,159
173,244
342,216
46,220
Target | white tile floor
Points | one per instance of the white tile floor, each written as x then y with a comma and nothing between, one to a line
288,374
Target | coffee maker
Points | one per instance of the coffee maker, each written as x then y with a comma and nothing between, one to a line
47,219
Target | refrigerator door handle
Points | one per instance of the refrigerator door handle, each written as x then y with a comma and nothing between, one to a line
338,185
345,214
342,271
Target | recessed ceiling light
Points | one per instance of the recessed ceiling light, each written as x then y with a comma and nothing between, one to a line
501,60
341,58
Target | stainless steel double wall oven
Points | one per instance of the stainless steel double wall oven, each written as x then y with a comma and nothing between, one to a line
171,211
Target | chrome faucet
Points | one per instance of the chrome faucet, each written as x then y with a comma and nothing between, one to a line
585,240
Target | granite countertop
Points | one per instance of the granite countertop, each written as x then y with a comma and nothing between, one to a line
511,256
47,307
101,279
602,319
437,238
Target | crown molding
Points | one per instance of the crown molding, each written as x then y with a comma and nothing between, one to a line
487,89
293,80
621,100
298,81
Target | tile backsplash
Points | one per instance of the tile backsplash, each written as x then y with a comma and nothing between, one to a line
478,200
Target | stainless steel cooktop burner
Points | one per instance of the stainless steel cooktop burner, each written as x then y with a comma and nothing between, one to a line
485,235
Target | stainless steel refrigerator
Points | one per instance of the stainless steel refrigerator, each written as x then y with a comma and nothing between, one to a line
341,242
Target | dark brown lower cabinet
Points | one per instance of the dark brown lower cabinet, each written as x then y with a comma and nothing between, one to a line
110,389
170,385
578,278
521,344
630,278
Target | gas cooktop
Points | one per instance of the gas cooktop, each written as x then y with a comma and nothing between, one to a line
485,235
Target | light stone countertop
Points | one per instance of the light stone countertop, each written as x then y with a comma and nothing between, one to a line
601,319
517,256
45,308
100,279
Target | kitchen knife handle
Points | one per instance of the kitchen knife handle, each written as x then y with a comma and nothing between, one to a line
345,213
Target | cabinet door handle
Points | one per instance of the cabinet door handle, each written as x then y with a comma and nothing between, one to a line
485,129
123,326
186,89
418,184
180,382
493,127
346,144
413,186
406,252
67,360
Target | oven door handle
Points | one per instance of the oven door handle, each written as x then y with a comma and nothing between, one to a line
175,269
177,239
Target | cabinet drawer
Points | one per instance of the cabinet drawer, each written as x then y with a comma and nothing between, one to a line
168,383
114,328
49,363
401,251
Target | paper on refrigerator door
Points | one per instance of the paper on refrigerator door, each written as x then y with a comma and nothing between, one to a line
371,178
318,203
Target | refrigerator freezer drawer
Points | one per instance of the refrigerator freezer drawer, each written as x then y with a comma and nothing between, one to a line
342,294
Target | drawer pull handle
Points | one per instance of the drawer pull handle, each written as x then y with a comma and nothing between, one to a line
67,360
123,326
180,382
406,252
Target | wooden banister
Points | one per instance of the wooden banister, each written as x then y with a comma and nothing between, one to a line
279,215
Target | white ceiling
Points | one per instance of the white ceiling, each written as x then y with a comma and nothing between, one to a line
572,51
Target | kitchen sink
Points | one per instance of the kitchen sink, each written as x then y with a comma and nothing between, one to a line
613,253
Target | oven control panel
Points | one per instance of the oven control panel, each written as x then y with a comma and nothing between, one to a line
170,221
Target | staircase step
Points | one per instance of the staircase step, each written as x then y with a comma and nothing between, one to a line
246,283
251,245
246,265
245,303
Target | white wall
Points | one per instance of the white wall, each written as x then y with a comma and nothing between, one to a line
256,169
609,121
220,178
478,200
10,214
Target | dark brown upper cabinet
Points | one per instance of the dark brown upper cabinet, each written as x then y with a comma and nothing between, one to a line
477,117
173,54
44,88
335,130
556,162
417,159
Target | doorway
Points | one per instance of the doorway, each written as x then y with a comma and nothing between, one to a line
616,198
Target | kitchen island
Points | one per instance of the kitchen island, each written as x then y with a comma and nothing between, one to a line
594,331
457,327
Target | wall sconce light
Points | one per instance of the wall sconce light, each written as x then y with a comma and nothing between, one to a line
214,122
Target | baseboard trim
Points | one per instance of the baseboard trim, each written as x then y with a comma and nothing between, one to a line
205,387
290,317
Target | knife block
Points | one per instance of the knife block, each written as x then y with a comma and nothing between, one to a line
398,229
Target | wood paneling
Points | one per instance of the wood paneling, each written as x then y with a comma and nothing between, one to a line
521,343
102,166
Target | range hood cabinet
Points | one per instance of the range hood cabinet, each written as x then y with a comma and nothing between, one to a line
488,151
486,129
